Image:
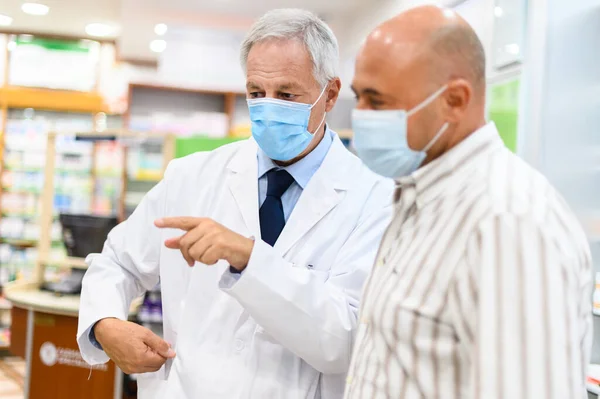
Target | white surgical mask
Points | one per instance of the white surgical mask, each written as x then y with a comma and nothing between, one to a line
380,139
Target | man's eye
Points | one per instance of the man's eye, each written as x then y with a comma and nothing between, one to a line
287,96
256,94
376,103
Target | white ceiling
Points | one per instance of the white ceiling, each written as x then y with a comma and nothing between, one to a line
136,18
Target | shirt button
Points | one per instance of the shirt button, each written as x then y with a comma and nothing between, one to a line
239,345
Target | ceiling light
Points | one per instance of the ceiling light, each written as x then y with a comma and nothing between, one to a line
101,30
5,20
158,46
35,8
160,29
498,11
512,48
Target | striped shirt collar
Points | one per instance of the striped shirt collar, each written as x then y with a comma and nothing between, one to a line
434,179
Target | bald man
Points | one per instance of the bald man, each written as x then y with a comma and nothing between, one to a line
482,285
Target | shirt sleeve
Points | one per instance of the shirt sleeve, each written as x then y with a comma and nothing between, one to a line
524,315
92,337
127,267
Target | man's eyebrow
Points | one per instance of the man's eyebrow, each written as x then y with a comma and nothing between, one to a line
252,85
372,92
368,91
288,86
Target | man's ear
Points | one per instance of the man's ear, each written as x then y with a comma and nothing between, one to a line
332,93
457,96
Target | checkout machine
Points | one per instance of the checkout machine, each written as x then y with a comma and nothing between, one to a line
82,235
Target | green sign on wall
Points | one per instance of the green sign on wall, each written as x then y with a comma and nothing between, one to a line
504,110
189,145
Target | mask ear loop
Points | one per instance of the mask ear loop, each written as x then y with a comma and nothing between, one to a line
320,95
320,124
437,137
325,114
427,101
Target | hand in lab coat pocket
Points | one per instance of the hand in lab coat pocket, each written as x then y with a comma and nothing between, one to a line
133,348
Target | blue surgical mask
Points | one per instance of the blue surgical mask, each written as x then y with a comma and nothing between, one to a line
281,127
380,139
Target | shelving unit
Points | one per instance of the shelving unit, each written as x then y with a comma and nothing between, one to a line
5,308
183,111
23,171
186,113
47,214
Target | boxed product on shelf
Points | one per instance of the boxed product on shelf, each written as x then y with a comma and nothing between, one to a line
4,337
75,190
209,124
17,204
22,181
16,264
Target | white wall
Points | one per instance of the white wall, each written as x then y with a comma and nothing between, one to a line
357,26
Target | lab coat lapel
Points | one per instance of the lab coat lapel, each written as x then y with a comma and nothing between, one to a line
320,196
243,184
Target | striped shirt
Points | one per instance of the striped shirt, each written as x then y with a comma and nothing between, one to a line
481,289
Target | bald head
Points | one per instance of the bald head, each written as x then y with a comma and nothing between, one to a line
410,57
438,39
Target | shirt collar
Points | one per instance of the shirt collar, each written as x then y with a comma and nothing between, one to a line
304,169
431,180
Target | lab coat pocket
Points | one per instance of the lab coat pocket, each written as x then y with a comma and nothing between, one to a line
318,273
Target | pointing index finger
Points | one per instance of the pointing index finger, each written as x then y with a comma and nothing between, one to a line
182,222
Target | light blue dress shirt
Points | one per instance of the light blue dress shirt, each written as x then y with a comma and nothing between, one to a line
302,171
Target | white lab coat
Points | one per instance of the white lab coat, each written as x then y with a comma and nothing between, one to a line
285,327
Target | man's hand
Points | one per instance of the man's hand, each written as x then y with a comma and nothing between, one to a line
133,348
207,241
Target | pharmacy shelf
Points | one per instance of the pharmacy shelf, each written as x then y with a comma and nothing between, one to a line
67,263
24,242
21,169
51,100
21,192
23,215
592,388
18,242
591,383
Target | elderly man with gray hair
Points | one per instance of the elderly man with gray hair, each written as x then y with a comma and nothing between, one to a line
261,247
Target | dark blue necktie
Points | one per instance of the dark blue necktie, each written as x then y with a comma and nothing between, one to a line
272,219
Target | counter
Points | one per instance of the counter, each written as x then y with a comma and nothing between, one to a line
43,332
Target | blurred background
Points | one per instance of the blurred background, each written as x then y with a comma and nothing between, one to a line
97,96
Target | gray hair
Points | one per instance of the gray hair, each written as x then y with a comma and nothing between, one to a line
296,24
